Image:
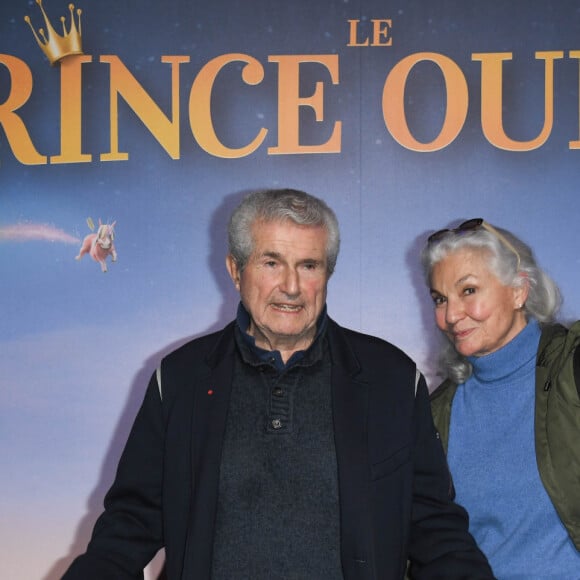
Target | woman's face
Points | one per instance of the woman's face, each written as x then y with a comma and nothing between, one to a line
472,307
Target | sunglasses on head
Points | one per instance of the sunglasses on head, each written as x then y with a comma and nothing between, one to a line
475,224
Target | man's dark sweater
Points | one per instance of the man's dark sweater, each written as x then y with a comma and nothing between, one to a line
278,510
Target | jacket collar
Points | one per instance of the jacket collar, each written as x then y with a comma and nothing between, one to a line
341,352
350,396
224,346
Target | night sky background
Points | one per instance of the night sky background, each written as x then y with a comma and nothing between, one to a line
77,346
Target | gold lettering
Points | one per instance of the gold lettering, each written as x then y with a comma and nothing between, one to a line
15,129
353,37
394,102
492,100
576,144
381,29
123,83
289,103
200,118
70,112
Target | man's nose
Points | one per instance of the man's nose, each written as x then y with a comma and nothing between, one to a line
290,284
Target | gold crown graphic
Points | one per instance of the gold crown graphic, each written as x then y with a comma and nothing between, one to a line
54,45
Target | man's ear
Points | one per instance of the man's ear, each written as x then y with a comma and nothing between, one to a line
233,270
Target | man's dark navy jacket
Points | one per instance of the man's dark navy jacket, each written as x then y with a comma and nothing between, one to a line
394,485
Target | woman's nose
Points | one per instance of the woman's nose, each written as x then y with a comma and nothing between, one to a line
453,311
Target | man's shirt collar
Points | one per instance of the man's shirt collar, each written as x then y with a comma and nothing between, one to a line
254,354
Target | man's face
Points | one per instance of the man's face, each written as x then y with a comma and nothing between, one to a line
283,285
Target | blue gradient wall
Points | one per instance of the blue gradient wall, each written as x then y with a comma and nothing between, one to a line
77,346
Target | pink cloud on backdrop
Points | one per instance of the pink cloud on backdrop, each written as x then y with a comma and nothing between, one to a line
34,232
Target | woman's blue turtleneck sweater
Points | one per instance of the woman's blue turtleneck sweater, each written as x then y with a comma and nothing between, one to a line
492,458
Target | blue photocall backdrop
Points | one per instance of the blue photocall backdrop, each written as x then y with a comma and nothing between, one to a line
405,117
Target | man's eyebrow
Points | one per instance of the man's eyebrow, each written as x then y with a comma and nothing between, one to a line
311,261
271,254
278,256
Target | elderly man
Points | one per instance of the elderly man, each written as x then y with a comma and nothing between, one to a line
283,446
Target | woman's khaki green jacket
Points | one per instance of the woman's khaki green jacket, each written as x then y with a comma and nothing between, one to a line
557,420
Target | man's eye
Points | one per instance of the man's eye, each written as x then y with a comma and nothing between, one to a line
469,290
438,300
